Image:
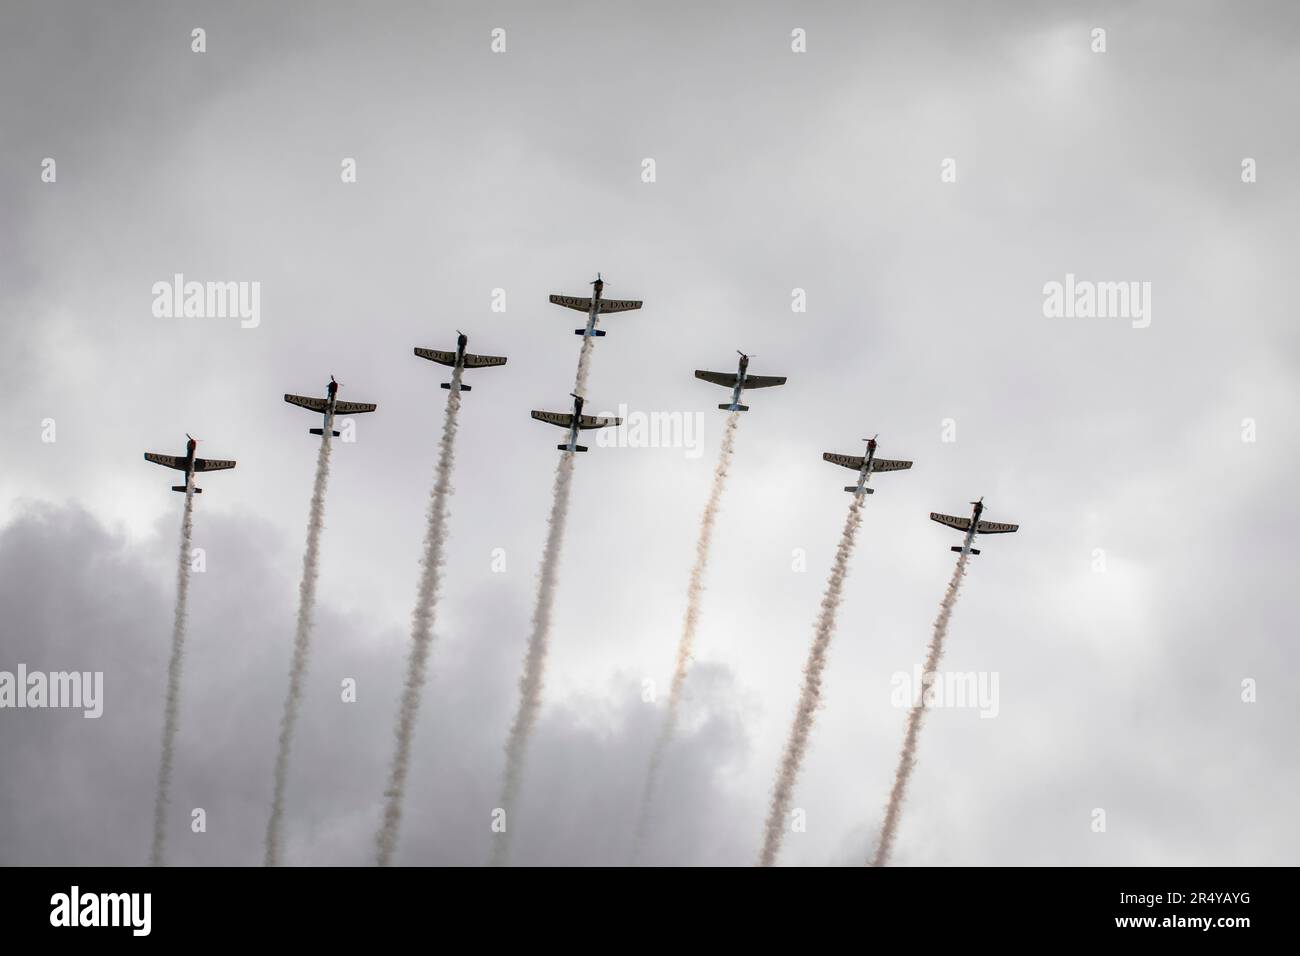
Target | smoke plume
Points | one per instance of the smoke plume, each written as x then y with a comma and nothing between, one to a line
171,709
907,758
301,644
809,700
421,627
530,684
686,644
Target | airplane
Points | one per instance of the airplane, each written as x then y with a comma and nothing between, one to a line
329,407
595,306
865,466
972,526
575,422
460,359
189,464
739,381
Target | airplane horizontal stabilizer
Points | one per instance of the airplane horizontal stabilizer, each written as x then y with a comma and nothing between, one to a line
575,447
463,388
957,548
197,491
321,431
733,408
854,488
597,332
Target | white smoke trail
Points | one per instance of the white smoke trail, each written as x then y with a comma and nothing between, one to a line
809,700
907,758
530,684
584,365
686,644
301,643
171,709
421,628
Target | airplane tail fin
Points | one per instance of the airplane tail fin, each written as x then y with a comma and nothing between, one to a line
575,447
181,488
957,548
584,331
321,431
728,407
854,488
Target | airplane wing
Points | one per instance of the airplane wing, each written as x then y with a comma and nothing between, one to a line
353,408
995,527
572,302
591,421
442,358
886,464
167,461
302,401
616,305
763,381
212,464
961,524
483,361
848,461
725,379
554,418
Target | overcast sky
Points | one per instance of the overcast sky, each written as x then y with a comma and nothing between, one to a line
1120,689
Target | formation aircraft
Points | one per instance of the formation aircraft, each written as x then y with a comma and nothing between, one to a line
865,466
189,464
972,526
575,422
329,406
460,359
738,382
596,306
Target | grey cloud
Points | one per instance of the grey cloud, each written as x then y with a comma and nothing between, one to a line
79,791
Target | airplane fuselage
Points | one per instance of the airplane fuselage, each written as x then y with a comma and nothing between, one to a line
190,447
328,424
968,544
593,313
573,425
461,341
328,408
331,396
741,374
864,473
188,464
